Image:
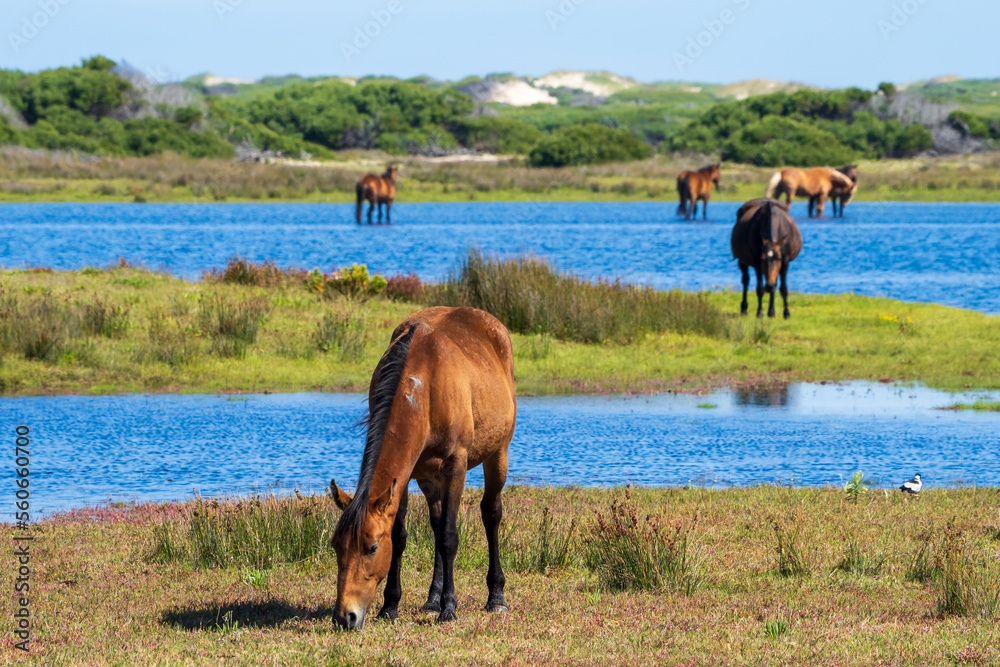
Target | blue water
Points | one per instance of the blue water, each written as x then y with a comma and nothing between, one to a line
942,253
87,450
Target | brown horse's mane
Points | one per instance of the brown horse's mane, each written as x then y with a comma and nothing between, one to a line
390,371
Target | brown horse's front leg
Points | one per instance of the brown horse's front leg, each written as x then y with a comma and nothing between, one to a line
393,583
447,537
433,496
821,205
388,210
704,209
371,207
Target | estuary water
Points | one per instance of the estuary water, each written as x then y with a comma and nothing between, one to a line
941,253
89,450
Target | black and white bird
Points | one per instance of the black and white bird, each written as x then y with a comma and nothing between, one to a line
913,485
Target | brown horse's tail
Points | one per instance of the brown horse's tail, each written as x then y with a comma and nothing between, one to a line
772,185
360,189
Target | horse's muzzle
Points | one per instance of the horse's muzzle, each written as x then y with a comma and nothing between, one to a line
349,621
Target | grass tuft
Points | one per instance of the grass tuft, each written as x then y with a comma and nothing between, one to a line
232,325
793,559
968,585
530,297
629,553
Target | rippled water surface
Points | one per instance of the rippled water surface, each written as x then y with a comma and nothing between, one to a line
86,450
943,253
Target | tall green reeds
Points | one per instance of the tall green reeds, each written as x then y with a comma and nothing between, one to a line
530,296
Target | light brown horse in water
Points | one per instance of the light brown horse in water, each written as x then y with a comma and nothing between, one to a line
816,183
378,190
693,186
766,238
441,402
842,194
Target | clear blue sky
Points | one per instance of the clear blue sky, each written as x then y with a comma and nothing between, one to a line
829,44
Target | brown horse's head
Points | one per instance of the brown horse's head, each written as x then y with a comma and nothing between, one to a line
771,261
363,542
390,172
851,171
714,175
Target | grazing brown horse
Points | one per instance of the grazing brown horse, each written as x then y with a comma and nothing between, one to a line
378,190
841,194
815,183
766,238
696,185
441,402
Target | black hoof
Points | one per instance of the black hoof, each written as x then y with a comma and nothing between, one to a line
497,607
447,616
787,315
432,607
760,314
770,314
387,615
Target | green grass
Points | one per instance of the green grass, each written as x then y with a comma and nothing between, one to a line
27,178
162,334
99,588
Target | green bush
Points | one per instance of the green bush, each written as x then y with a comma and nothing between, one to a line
588,144
499,135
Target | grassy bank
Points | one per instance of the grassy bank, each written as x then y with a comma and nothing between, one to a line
125,329
767,574
30,178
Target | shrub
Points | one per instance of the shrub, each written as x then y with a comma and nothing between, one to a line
108,320
353,282
404,288
233,326
648,554
240,271
38,327
529,296
343,331
588,144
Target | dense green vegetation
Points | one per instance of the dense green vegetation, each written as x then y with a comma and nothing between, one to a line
807,127
95,108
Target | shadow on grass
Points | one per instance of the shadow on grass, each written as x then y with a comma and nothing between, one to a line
264,614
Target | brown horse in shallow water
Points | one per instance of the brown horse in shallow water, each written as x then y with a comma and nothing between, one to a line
816,183
378,190
766,238
696,185
842,194
441,402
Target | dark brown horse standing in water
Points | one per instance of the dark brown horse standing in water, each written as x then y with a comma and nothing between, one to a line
766,238
816,184
378,190
693,186
842,194
441,402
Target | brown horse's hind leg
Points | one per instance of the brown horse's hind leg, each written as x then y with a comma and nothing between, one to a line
495,475
433,496
371,207
388,210
393,584
784,291
746,285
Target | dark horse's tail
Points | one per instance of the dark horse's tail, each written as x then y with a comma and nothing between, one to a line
360,189
684,191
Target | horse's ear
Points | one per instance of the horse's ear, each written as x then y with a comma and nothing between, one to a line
382,502
340,498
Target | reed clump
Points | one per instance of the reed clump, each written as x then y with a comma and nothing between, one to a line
530,297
